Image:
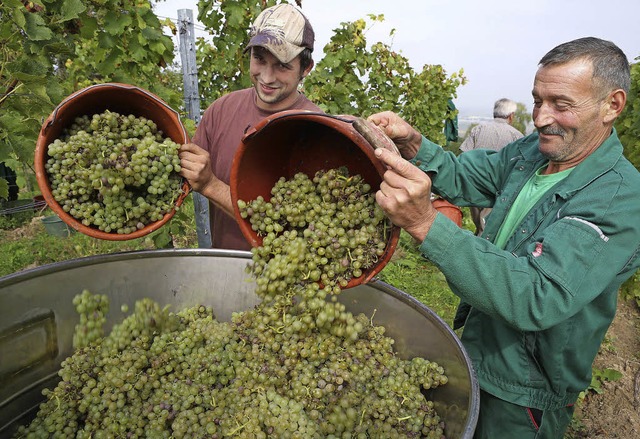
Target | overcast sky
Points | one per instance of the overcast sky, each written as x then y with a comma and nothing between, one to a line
498,43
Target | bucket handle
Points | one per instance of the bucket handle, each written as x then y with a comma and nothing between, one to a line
374,135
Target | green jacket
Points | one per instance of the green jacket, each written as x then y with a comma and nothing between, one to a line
541,307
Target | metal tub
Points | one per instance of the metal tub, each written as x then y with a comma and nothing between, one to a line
37,320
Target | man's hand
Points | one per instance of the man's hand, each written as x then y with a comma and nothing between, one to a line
405,195
406,138
196,168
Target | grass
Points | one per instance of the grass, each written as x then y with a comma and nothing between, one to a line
410,272
29,245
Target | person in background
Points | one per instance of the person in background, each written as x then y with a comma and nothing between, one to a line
280,45
539,290
492,135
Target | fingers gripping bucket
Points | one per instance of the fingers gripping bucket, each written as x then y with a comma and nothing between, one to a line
301,141
120,98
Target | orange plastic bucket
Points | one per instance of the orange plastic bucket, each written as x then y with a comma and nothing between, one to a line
451,211
295,141
95,99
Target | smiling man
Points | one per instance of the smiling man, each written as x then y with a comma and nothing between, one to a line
280,46
539,289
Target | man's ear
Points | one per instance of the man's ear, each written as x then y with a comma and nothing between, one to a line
614,104
307,70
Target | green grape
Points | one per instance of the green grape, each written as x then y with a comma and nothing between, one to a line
103,161
297,365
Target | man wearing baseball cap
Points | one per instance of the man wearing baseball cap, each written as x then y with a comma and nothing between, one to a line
280,44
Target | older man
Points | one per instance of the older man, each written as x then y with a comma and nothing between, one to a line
539,292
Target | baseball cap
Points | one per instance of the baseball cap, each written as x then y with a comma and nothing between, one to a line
283,31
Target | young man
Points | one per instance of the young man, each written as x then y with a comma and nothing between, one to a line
539,290
281,43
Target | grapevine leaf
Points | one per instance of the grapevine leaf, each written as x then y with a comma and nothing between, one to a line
89,27
151,34
39,89
162,239
116,24
36,28
28,69
18,14
15,4
105,40
71,9
111,62
137,50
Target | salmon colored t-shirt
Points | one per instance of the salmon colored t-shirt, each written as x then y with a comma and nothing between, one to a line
220,132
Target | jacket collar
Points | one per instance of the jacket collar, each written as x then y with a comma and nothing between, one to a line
601,160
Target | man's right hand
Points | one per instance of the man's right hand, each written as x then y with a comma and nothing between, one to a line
406,138
196,166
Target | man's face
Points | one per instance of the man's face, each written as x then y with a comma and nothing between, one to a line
568,112
276,83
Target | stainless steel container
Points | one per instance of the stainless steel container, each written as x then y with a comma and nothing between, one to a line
37,320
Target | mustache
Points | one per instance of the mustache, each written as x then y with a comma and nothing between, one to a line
550,130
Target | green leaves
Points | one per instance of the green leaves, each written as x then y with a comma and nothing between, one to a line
116,23
355,78
71,9
53,48
36,28
628,124
599,377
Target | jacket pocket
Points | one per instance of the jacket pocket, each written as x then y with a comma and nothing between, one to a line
569,252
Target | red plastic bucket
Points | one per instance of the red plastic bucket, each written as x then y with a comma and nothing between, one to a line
451,211
302,141
95,99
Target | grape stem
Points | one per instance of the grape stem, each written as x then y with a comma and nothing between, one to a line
237,430
278,330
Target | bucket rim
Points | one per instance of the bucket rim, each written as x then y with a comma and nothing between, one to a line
41,155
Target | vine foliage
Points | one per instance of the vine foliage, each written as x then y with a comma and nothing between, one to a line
50,48
628,127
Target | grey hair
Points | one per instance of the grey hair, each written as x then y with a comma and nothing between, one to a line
610,64
503,108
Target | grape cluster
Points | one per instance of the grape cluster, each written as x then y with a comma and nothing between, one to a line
278,370
295,366
328,229
114,172
92,309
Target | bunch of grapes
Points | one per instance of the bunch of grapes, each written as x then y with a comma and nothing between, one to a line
114,172
297,365
92,309
328,229
286,369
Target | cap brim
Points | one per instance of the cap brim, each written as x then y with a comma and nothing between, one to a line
283,50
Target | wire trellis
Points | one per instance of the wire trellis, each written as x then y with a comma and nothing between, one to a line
34,206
